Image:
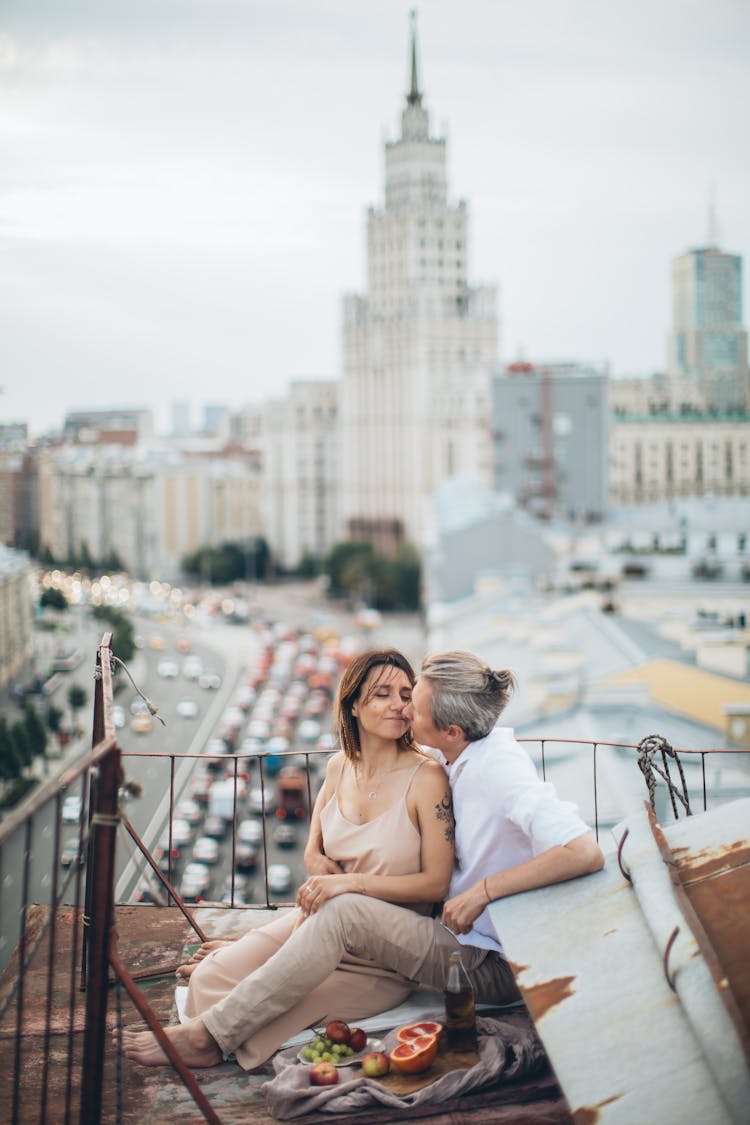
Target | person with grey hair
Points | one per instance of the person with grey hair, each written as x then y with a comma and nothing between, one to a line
512,834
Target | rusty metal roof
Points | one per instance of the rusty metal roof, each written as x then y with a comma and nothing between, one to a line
151,941
639,989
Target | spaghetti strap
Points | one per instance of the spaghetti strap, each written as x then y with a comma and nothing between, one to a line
412,776
338,780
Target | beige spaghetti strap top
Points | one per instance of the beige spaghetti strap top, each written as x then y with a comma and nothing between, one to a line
387,845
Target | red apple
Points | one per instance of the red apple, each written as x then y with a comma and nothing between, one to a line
323,1074
338,1031
358,1039
376,1064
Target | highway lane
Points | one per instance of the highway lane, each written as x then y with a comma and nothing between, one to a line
227,649
239,649
149,812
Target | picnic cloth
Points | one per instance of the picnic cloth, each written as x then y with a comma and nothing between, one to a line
505,1052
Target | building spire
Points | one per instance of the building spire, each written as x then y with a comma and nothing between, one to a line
713,224
414,97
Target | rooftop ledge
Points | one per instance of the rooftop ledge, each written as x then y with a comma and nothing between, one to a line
647,961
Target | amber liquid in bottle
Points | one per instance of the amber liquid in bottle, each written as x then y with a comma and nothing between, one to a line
460,1007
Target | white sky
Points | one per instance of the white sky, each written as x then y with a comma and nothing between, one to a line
184,183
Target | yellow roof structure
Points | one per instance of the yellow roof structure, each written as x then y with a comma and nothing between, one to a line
689,691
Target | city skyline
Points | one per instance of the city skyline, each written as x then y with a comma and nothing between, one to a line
183,207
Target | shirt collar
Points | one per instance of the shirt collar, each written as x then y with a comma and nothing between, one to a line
455,769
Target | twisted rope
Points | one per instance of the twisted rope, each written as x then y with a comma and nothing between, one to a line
648,747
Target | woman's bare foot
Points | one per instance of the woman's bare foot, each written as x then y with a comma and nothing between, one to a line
191,1039
201,952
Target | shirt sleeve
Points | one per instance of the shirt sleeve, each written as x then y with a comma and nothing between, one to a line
533,805
547,821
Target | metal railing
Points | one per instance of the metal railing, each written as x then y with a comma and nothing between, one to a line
41,901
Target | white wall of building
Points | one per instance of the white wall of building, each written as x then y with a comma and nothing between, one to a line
16,613
150,507
300,455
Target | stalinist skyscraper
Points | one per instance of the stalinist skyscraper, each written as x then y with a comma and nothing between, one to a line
418,347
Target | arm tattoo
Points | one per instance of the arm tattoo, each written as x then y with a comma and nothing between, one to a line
444,811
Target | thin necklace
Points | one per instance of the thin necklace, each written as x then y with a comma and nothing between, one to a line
373,793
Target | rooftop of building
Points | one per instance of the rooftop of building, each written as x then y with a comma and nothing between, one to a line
558,640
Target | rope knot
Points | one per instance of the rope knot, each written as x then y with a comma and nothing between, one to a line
648,748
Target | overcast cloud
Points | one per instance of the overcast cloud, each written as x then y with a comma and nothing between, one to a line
184,184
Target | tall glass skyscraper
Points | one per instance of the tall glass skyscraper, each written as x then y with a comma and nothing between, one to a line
708,345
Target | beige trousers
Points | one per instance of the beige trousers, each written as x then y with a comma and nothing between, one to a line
351,993
415,948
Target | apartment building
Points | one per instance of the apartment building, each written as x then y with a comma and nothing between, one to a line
16,613
659,456
146,507
550,430
298,440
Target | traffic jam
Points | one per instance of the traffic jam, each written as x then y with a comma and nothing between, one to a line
247,802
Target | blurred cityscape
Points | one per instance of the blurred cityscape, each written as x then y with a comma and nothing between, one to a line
587,531
591,532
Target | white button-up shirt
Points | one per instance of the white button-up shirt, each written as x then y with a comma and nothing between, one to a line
505,815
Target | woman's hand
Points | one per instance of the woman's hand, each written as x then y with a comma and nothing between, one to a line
320,888
320,864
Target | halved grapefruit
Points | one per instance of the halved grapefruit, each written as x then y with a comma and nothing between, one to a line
416,1055
415,1030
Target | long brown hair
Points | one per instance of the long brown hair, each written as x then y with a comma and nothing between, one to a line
350,689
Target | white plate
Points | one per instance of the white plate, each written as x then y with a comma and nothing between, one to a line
348,1060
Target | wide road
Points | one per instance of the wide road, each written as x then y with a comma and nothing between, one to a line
229,650
232,652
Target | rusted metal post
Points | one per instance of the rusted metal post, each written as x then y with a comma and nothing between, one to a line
97,736
103,832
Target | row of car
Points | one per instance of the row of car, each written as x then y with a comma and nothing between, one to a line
192,669
274,716
202,831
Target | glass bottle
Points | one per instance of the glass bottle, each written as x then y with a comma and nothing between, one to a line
460,1007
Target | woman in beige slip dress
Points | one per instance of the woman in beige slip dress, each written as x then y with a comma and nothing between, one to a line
382,826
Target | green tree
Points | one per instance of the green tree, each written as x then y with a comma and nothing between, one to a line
54,718
231,562
37,735
123,634
309,565
112,563
76,700
85,561
407,578
355,570
11,766
22,743
53,598
350,568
